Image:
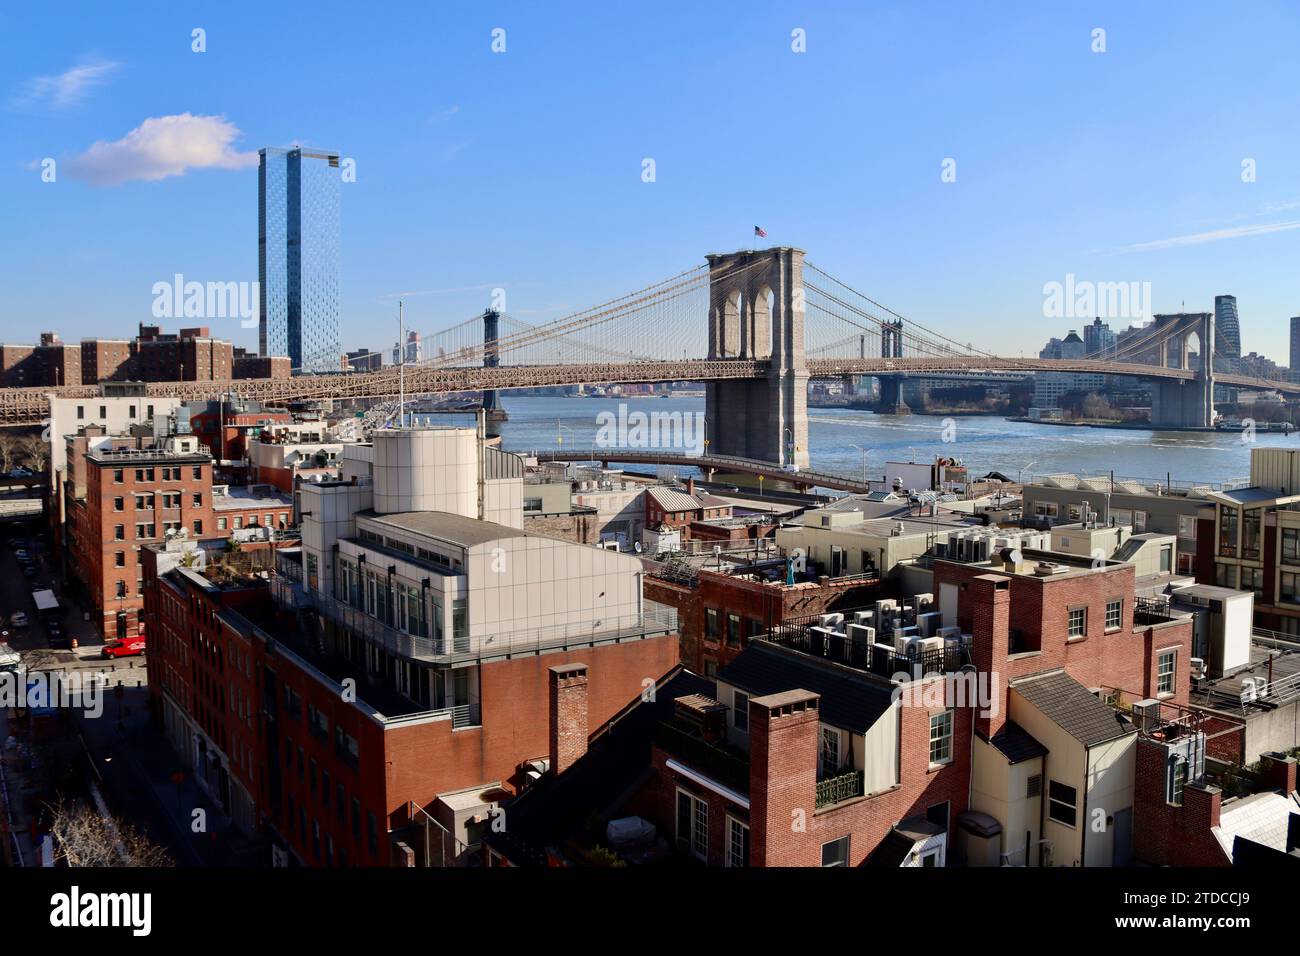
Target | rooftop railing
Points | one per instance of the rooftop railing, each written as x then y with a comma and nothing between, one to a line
655,619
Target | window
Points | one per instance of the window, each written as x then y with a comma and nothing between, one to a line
1166,665
532,505
1114,614
119,532
1187,527
1252,579
198,525
1228,532
1078,623
1291,545
1250,536
117,476
941,737
119,504
198,472
733,629
1045,509
198,500
221,524
737,843
81,411
1139,521
119,559
121,589
740,710
692,825
830,752
1061,803
1177,780
103,412
1290,592
836,853
711,624
1166,559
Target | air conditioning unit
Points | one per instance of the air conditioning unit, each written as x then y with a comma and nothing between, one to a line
831,620
861,634
863,617
1146,714
929,644
949,632
903,643
929,623
1198,668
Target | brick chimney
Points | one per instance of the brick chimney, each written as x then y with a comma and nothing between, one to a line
690,486
568,715
783,779
1280,771
990,602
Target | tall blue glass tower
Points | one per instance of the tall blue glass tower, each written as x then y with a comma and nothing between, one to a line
298,235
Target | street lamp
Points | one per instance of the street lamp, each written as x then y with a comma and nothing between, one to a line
1023,468
865,452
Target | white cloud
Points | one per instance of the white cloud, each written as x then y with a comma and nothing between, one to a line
62,90
1215,235
162,146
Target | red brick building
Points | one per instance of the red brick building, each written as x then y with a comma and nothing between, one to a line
134,498
679,510
336,754
719,612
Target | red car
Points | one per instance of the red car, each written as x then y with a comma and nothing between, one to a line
127,647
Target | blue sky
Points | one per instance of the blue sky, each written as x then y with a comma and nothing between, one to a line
523,169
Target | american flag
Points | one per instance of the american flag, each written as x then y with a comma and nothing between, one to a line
758,231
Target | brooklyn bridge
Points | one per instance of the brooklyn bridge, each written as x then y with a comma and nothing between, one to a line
755,326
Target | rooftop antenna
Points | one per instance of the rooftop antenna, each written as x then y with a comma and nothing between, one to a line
401,365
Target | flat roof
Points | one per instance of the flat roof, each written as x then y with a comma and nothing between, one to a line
446,526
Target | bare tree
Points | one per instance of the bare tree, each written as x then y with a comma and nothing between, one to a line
36,451
84,837
8,452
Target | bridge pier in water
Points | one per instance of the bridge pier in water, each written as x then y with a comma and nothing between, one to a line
756,312
1184,404
493,412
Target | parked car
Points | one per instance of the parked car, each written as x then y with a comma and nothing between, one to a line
18,619
124,647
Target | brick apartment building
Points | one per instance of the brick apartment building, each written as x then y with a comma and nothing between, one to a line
120,496
372,706
135,497
678,510
189,355
226,427
720,611
866,737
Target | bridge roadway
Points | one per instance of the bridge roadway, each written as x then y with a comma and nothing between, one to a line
29,406
709,464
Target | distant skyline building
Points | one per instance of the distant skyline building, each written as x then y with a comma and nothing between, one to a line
1228,324
414,349
1098,338
1295,341
298,244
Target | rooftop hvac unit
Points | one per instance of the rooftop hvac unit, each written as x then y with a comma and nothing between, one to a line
1146,715
949,632
1045,569
831,620
924,600
863,617
903,643
861,634
1198,668
929,623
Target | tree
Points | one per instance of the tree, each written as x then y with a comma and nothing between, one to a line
35,451
8,452
84,837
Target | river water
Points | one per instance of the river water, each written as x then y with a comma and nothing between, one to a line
982,443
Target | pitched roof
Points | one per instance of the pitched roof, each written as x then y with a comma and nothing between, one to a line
673,501
1015,743
848,701
1068,704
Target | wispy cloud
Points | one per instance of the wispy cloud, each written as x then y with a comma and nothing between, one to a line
446,114
160,147
1214,235
60,91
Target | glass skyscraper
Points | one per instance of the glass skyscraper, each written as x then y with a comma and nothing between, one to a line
298,235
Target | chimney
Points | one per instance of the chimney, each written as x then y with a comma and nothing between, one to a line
690,486
783,742
990,596
1280,771
568,715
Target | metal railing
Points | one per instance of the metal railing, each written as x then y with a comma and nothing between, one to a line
837,789
872,658
726,766
655,619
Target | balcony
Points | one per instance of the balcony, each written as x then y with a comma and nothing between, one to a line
837,789
1152,610
727,765
654,621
